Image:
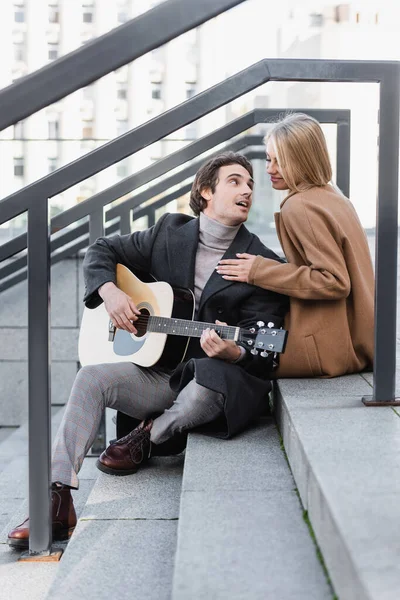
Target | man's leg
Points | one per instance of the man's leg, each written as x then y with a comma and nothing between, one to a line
195,405
124,386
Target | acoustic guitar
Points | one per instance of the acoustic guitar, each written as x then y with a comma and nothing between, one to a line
164,328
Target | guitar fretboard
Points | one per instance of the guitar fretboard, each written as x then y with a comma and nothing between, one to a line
188,328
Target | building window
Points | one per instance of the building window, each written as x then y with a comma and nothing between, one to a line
122,91
87,130
19,52
122,16
190,90
121,75
52,51
53,129
122,126
122,170
19,12
19,130
88,92
87,16
316,20
54,14
52,164
156,90
19,167
191,131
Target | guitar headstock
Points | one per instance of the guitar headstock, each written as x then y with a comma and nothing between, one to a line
264,339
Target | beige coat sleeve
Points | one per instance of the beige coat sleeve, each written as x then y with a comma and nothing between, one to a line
314,238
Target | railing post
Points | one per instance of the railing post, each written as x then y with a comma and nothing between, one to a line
125,221
343,157
96,225
386,245
96,230
151,217
40,534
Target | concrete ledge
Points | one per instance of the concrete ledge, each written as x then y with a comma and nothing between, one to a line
345,459
241,532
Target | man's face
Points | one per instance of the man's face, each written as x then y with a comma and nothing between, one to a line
231,200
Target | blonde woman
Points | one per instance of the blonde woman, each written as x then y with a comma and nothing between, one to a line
329,275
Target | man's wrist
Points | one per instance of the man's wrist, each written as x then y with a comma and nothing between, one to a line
102,290
241,352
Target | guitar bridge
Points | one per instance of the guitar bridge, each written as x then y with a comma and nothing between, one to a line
111,331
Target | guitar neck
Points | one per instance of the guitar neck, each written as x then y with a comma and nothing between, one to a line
173,326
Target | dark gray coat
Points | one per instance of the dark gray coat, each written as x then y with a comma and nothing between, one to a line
168,252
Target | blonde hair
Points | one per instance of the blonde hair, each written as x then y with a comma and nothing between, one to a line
301,152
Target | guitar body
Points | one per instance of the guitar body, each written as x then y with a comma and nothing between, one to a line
146,348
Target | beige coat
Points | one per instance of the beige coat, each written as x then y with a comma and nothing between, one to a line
330,281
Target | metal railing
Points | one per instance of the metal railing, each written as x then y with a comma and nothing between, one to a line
34,200
105,54
18,101
9,274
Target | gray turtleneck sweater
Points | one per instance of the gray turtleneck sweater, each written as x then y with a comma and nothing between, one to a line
214,239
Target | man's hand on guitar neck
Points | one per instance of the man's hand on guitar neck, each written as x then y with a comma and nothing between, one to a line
120,307
216,347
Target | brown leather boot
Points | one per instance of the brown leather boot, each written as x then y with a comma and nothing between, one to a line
63,520
127,455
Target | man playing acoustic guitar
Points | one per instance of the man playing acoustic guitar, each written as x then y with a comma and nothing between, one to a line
220,387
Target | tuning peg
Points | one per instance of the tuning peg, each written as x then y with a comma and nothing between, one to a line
260,323
264,354
271,324
254,351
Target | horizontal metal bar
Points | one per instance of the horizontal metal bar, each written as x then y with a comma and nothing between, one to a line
167,164
323,115
124,187
134,140
61,240
82,232
115,212
103,55
175,179
288,69
66,252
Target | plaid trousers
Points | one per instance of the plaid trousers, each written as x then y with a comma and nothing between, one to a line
136,391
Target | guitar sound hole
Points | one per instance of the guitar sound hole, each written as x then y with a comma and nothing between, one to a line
141,324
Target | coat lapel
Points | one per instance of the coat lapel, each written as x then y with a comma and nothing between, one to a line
181,250
215,284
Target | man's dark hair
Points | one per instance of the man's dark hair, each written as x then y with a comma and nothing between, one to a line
207,177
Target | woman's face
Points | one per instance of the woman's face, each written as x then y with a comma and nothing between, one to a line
277,181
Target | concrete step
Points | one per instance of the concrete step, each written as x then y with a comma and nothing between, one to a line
241,531
346,462
14,473
28,580
125,540
5,433
32,581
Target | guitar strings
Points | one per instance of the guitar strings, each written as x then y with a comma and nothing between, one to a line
190,326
